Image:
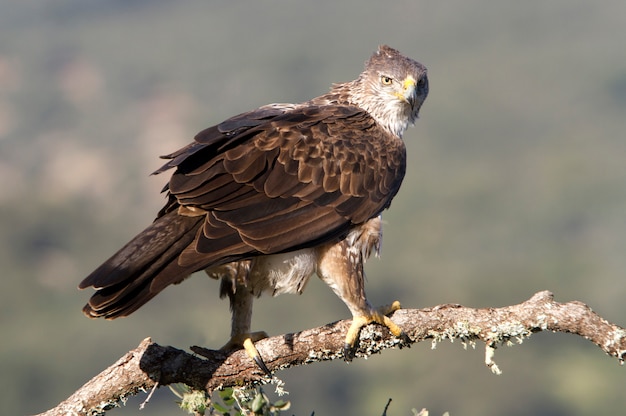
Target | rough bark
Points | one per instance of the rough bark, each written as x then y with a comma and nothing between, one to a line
148,364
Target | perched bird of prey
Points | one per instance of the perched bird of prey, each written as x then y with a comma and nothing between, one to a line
268,198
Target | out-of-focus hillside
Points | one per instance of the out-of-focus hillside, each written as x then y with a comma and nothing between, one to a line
516,183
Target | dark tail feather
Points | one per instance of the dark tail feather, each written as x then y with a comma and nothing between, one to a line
123,282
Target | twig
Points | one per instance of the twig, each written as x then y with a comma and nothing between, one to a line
386,407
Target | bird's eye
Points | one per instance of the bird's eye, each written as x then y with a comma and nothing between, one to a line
385,80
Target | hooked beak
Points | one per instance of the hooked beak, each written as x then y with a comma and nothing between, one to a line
408,90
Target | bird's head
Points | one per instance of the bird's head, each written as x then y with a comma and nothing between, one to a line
392,89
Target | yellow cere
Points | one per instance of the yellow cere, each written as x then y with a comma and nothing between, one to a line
409,82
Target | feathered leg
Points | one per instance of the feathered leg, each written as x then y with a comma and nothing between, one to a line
340,265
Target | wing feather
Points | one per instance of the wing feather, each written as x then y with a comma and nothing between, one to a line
294,184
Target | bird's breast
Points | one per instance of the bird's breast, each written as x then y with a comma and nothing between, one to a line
282,273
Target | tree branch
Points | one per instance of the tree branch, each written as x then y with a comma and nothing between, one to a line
148,364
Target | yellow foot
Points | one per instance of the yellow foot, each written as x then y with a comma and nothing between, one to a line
379,316
246,341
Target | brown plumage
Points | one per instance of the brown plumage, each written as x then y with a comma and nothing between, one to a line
267,198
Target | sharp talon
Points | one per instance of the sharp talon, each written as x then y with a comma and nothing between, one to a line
253,353
261,364
406,341
348,352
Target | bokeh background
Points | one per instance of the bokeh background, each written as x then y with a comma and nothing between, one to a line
516,183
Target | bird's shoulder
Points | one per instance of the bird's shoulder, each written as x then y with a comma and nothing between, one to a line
314,123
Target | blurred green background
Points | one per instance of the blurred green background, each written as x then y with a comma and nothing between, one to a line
516,183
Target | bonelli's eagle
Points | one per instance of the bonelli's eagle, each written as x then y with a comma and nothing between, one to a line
268,198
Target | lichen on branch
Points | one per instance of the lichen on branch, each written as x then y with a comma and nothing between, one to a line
148,364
